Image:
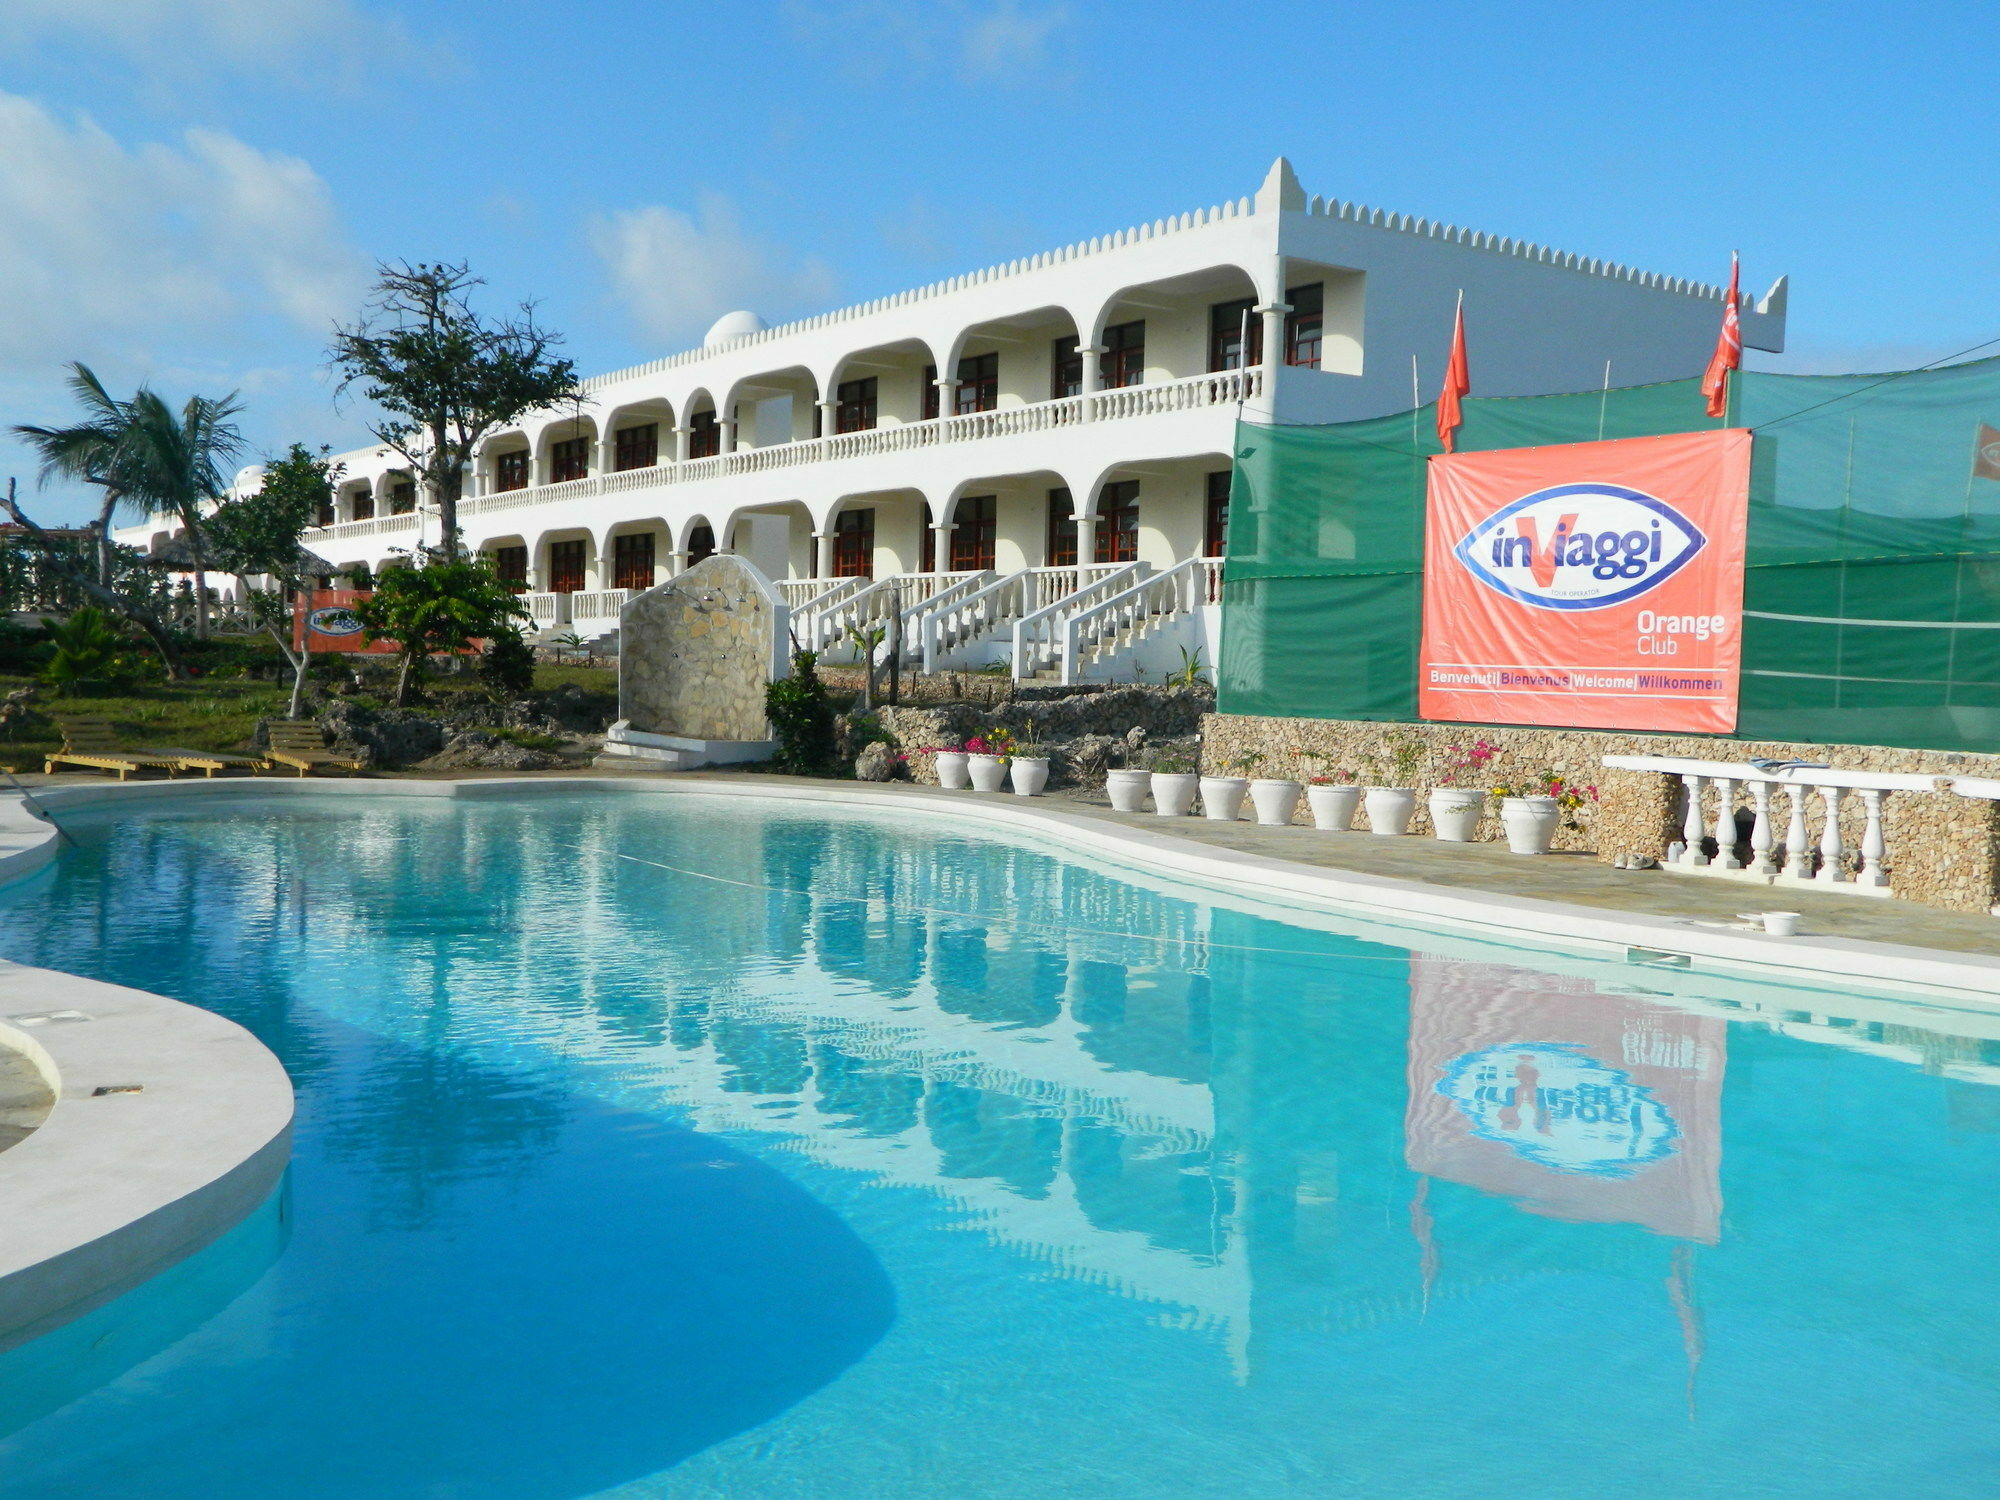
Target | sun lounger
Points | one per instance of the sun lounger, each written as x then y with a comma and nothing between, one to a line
93,744
301,746
207,761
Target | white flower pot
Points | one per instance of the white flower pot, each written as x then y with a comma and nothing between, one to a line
1030,773
989,772
1455,813
1530,823
1333,807
1276,800
1222,798
1173,792
1128,789
951,772
1390,808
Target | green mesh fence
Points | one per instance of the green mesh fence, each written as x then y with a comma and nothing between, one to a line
1872,594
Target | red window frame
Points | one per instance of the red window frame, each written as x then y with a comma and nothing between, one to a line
1059,547
854,543
1215,522
1065,367
974,529
704,435
700,543
1123,361
1118,522
632,560
927,543
636,447
1305,325
511,563
928,403
569,459
510,470
1225,334
566,566
402,497
362,505
857,405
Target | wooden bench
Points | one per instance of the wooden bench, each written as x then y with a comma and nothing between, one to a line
300,745
93,744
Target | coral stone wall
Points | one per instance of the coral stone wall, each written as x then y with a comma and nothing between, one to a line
696,653
1944,850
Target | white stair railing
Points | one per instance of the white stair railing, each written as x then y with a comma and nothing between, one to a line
1709,802
1127,618
808,616
941,603
960,621
1038,635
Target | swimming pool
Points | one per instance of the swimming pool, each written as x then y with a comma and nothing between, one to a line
689,1146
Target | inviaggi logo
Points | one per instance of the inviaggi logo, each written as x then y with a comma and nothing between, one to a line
333,619
1580,546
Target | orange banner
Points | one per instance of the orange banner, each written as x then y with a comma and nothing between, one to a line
1588,586
323,620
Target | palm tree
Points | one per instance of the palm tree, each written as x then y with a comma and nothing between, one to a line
90,450
173,461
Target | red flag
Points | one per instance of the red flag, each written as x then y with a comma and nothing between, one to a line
1728,351
1457,382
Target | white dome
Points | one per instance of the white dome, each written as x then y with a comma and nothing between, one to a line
730,327
250,477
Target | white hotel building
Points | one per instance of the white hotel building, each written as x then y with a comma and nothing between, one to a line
1033,454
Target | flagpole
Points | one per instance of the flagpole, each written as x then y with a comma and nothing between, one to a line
1416,401
1603,400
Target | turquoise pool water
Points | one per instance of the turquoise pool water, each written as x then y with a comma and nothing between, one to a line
702,1147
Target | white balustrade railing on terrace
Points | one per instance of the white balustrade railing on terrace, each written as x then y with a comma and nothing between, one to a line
1222,388
1709,806
374,526
1124,619
1039,634
547,610
599,606
800,592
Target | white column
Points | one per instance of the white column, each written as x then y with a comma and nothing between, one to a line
538,465
607,454
941,549
1873,849
677,561
728,426
1725,824
1829,839
829,418
822,554
1086,541
947,396
1092,356
1798,843
1691,823
1273,316
1760,831
680,451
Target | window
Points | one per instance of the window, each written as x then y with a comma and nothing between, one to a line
566,566
930,392
1228,322
854,543
978,384
364,504
972,532
1118,522
1215,527
511,563
704,435
855,405
636,447
402,497
569,459
1304,323
1059,551
510,470
1124,357
700,543
632,561
1065,368
927,543
324,515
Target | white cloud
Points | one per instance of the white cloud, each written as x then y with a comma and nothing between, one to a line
108,247
679,272
987,41
161,37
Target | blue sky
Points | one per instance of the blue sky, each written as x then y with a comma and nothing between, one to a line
191,189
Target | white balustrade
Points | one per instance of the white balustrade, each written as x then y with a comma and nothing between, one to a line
547,610
598,606
1039,634
377,526
1822,864
1126,618
1222,388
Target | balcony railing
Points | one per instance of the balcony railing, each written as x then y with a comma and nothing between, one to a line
1196,392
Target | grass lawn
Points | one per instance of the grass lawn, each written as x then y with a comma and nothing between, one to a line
213,714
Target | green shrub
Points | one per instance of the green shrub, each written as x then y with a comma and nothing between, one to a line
508,665
802,715
89,653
